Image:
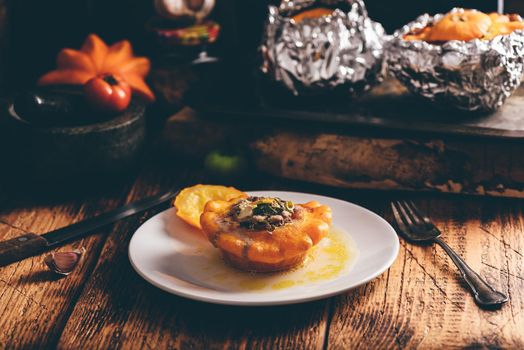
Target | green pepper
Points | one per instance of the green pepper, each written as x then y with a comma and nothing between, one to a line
225,165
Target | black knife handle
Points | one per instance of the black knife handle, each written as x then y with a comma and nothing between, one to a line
21,247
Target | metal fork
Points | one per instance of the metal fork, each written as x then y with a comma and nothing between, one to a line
418,228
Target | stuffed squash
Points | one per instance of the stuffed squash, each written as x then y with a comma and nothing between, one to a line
264,234
467,25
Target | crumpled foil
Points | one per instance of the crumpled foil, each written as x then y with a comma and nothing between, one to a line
476,75
344,50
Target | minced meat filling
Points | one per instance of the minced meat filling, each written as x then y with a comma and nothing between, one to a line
262,213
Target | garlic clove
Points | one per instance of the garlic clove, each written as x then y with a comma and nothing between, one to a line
64,263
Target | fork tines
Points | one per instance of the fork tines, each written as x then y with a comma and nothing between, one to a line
407,215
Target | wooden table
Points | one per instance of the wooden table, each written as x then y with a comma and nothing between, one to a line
420,302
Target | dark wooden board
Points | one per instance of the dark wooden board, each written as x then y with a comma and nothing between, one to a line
387,109
470,166
420,302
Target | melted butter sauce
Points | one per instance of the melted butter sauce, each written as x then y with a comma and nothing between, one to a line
333,256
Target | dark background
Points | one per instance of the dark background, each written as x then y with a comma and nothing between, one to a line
33,31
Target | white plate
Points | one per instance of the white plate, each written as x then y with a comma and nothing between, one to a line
177,258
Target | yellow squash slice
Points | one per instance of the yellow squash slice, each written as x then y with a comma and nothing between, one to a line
191,201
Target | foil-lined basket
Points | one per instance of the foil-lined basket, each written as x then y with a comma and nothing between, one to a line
342,51
477,75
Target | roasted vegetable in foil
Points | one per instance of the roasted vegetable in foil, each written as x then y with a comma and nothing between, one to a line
474,75
310,54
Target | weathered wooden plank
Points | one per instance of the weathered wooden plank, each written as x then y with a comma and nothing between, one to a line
334,158
469,167
119,309
34,303
422,302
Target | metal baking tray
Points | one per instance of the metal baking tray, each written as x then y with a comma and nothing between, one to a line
388,109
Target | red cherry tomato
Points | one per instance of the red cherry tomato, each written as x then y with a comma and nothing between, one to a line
108,93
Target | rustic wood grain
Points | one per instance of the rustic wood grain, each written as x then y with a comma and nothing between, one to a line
420,302
119,309
336,158
34,303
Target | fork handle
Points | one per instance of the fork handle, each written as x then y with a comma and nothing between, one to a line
484,294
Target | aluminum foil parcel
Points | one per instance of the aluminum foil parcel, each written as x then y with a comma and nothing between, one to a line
476,75
343,50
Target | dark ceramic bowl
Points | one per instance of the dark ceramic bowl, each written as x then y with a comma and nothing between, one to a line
88,152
